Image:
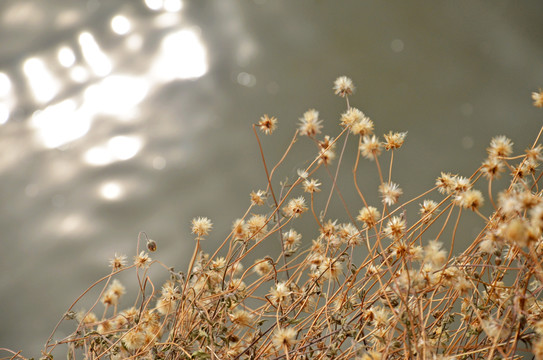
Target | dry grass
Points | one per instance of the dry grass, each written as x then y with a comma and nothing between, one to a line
375,286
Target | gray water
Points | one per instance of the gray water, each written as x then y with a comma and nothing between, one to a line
126,116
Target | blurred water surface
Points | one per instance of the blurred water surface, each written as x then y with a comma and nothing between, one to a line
126,116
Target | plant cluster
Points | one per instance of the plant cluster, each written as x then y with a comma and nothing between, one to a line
368,285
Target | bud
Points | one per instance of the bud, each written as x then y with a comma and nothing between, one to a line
151,245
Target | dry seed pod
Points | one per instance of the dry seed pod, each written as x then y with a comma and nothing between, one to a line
151,245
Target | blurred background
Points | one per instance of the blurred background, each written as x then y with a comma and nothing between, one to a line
126,116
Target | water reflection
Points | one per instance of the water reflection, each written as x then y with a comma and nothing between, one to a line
5,85
82,87
181,56
79,74
118,148
66,56
115,95
167,5
60,123
43,84
4,113
120,25
95,57
111,190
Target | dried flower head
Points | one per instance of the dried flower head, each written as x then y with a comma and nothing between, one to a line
239,229
394,140
537,96
516,232
343,86
369,215
113,293
284,337
295,207
142,260
310,125
427,208
461,183
446,183
241,317
263,266
362,127
370,147
351,116
433,254
291,239
470,199
279,293
118,262
500,146
390,192
330,268
267,124
302,174
256,226
201,226
311,186
492,167
258,198
395,227
534,153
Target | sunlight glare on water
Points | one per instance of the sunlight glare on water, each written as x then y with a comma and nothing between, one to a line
182,56
167,5
116,94
4,113
95,57
5,85
66,56
42,83
120,25
118,148
60,123
111,190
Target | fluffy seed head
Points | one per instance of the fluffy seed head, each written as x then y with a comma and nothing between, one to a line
284,337
267,124
330,268
291,239
538,98
470,199
370,215
310,125
394,140
256,226
427,208
362,127
343,86
263,267
351,116
500,146
279,292
118,262
311,186
295,207
142,260
395,227
390,192
433,254
201,226
241,317
445,183
258,198
492,167
370,147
